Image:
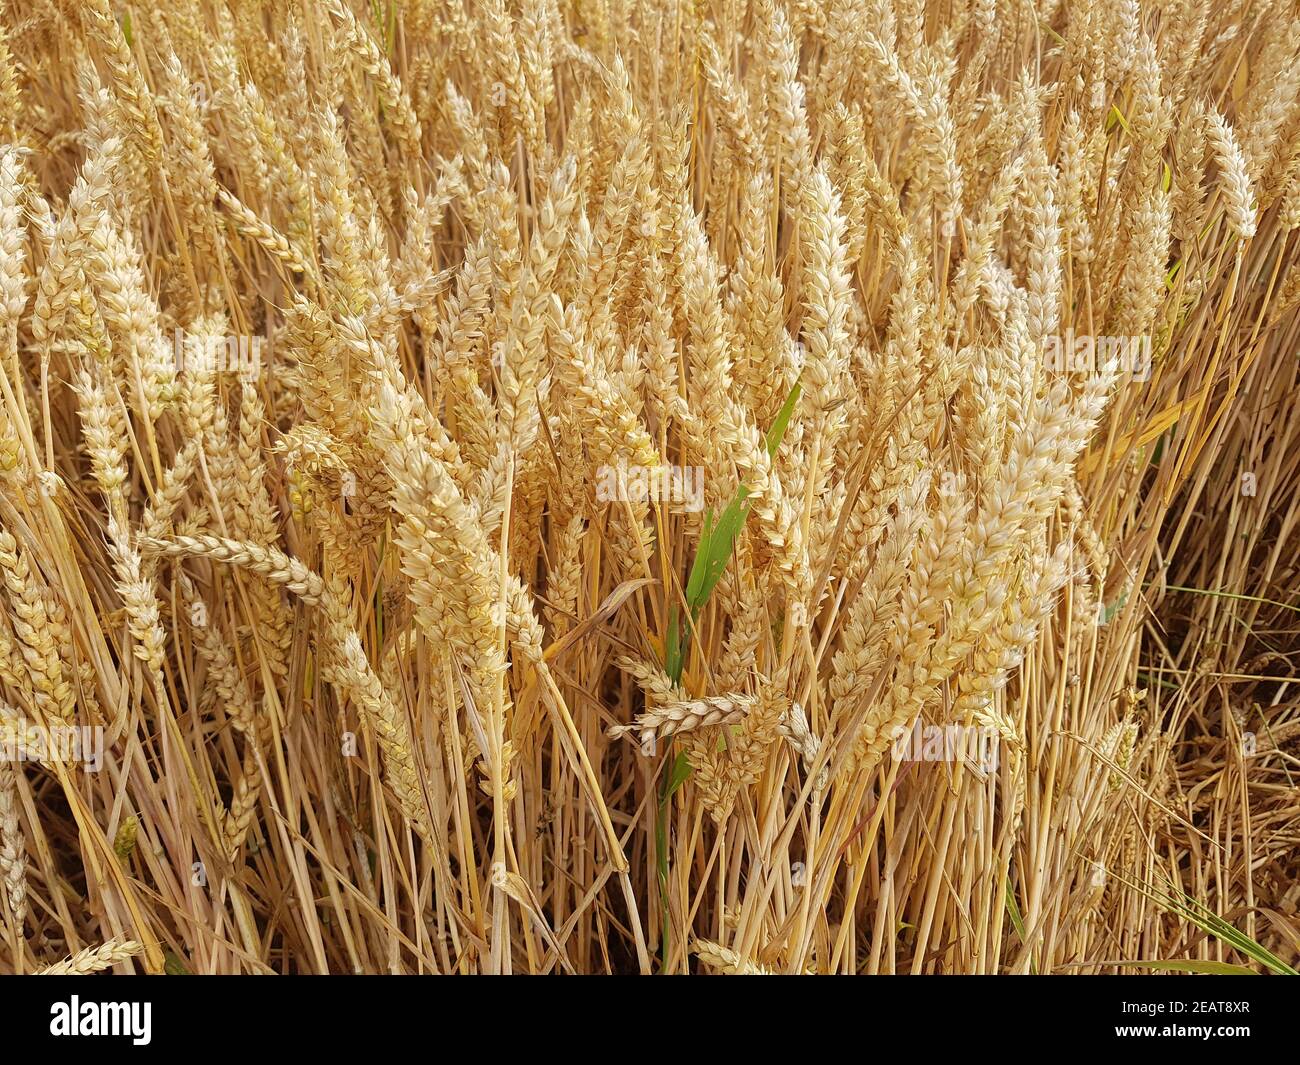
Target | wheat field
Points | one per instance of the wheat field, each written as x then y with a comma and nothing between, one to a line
575,486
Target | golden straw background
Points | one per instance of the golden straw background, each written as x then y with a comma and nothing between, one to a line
490,480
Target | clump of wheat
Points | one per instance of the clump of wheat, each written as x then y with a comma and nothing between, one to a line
401,413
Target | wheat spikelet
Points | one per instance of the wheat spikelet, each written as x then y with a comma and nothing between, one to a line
94,959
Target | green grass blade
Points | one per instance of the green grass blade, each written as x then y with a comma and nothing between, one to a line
1206,968
1183,905
777,433
717,542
